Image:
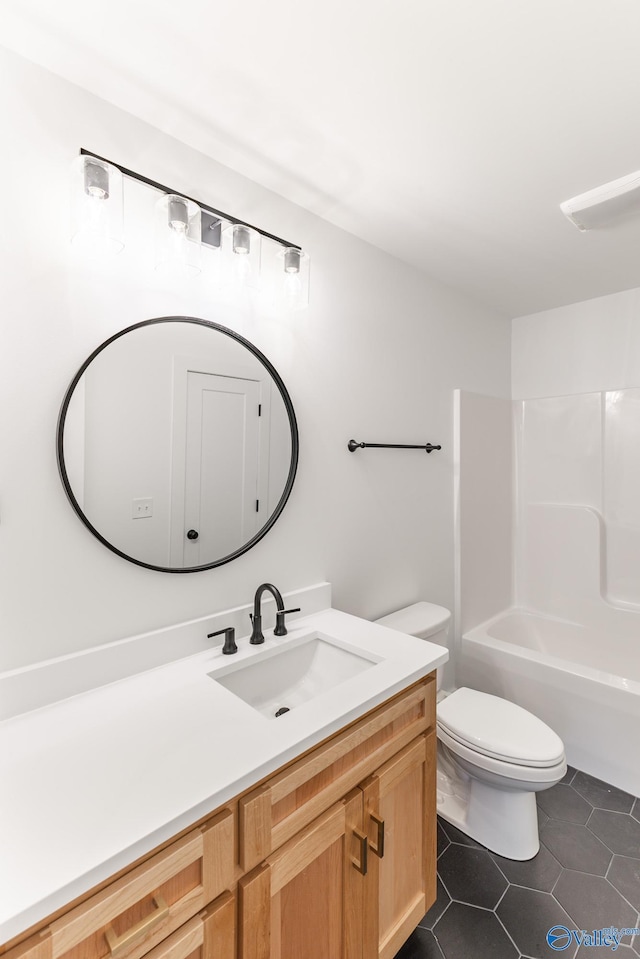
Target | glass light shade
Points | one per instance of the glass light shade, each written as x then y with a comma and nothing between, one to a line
293,280
177,235
96,207
243,247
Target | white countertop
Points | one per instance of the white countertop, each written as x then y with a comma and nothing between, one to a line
91,783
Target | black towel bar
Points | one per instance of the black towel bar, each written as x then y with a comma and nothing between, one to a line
353,445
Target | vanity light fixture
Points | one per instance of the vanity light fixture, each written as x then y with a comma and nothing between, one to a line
294,278
96,207
241,240
291,260
178,235
183,227
178,214
245,255
96,179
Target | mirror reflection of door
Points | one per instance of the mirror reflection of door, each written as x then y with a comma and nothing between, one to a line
222,461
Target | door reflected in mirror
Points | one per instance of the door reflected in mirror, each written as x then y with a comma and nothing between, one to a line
177,444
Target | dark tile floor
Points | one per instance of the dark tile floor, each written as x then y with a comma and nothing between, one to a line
586,876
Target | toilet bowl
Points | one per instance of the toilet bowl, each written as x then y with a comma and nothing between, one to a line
493,755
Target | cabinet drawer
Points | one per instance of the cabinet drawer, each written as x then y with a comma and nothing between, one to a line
139,910
209,935
273,813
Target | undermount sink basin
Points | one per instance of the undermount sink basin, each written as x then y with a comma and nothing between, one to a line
278,681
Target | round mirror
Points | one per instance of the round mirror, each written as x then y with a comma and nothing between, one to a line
177,444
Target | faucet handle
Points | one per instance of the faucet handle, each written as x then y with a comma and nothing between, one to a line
281,629
256,630
229,639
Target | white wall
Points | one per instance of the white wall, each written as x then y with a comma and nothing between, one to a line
582,348
376,357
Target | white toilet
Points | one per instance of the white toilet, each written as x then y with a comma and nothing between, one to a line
493,756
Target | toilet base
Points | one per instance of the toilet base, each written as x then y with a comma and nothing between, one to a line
503,820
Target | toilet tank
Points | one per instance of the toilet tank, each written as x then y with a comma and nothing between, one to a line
423,620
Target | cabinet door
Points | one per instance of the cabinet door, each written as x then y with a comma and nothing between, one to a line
305,901
400,823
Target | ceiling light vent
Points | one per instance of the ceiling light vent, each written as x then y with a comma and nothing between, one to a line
605,205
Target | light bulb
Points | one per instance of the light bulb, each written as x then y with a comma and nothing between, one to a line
178,216
292,287
96,207
291,260
241,240
96,180
177,235
242,270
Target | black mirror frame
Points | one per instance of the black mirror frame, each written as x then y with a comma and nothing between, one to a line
292,424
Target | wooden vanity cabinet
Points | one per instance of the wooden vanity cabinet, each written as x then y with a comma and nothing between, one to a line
400,823
332,857
355,883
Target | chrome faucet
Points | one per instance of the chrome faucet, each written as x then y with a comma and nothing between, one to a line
256,619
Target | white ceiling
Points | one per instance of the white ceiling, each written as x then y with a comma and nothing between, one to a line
443,131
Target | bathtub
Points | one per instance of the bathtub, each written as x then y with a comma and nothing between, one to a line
561,671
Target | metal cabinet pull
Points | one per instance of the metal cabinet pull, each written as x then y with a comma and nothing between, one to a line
362,865
378,849
119,944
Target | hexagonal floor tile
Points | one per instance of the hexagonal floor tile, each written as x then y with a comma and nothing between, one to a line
443,839
466,932
421,944
605,952
601,794
624,874
592,902
470,875
635,812
443,899
456,835
567,779
575,847
528,915
621,833
562,802
541,872
542,816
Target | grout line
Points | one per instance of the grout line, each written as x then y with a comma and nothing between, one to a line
502,896
509,937
562,870
439,918
621,894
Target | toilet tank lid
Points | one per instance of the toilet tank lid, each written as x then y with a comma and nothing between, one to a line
420,619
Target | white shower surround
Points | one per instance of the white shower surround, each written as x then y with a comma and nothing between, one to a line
566,645
560,671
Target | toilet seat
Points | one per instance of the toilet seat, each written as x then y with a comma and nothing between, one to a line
488,726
